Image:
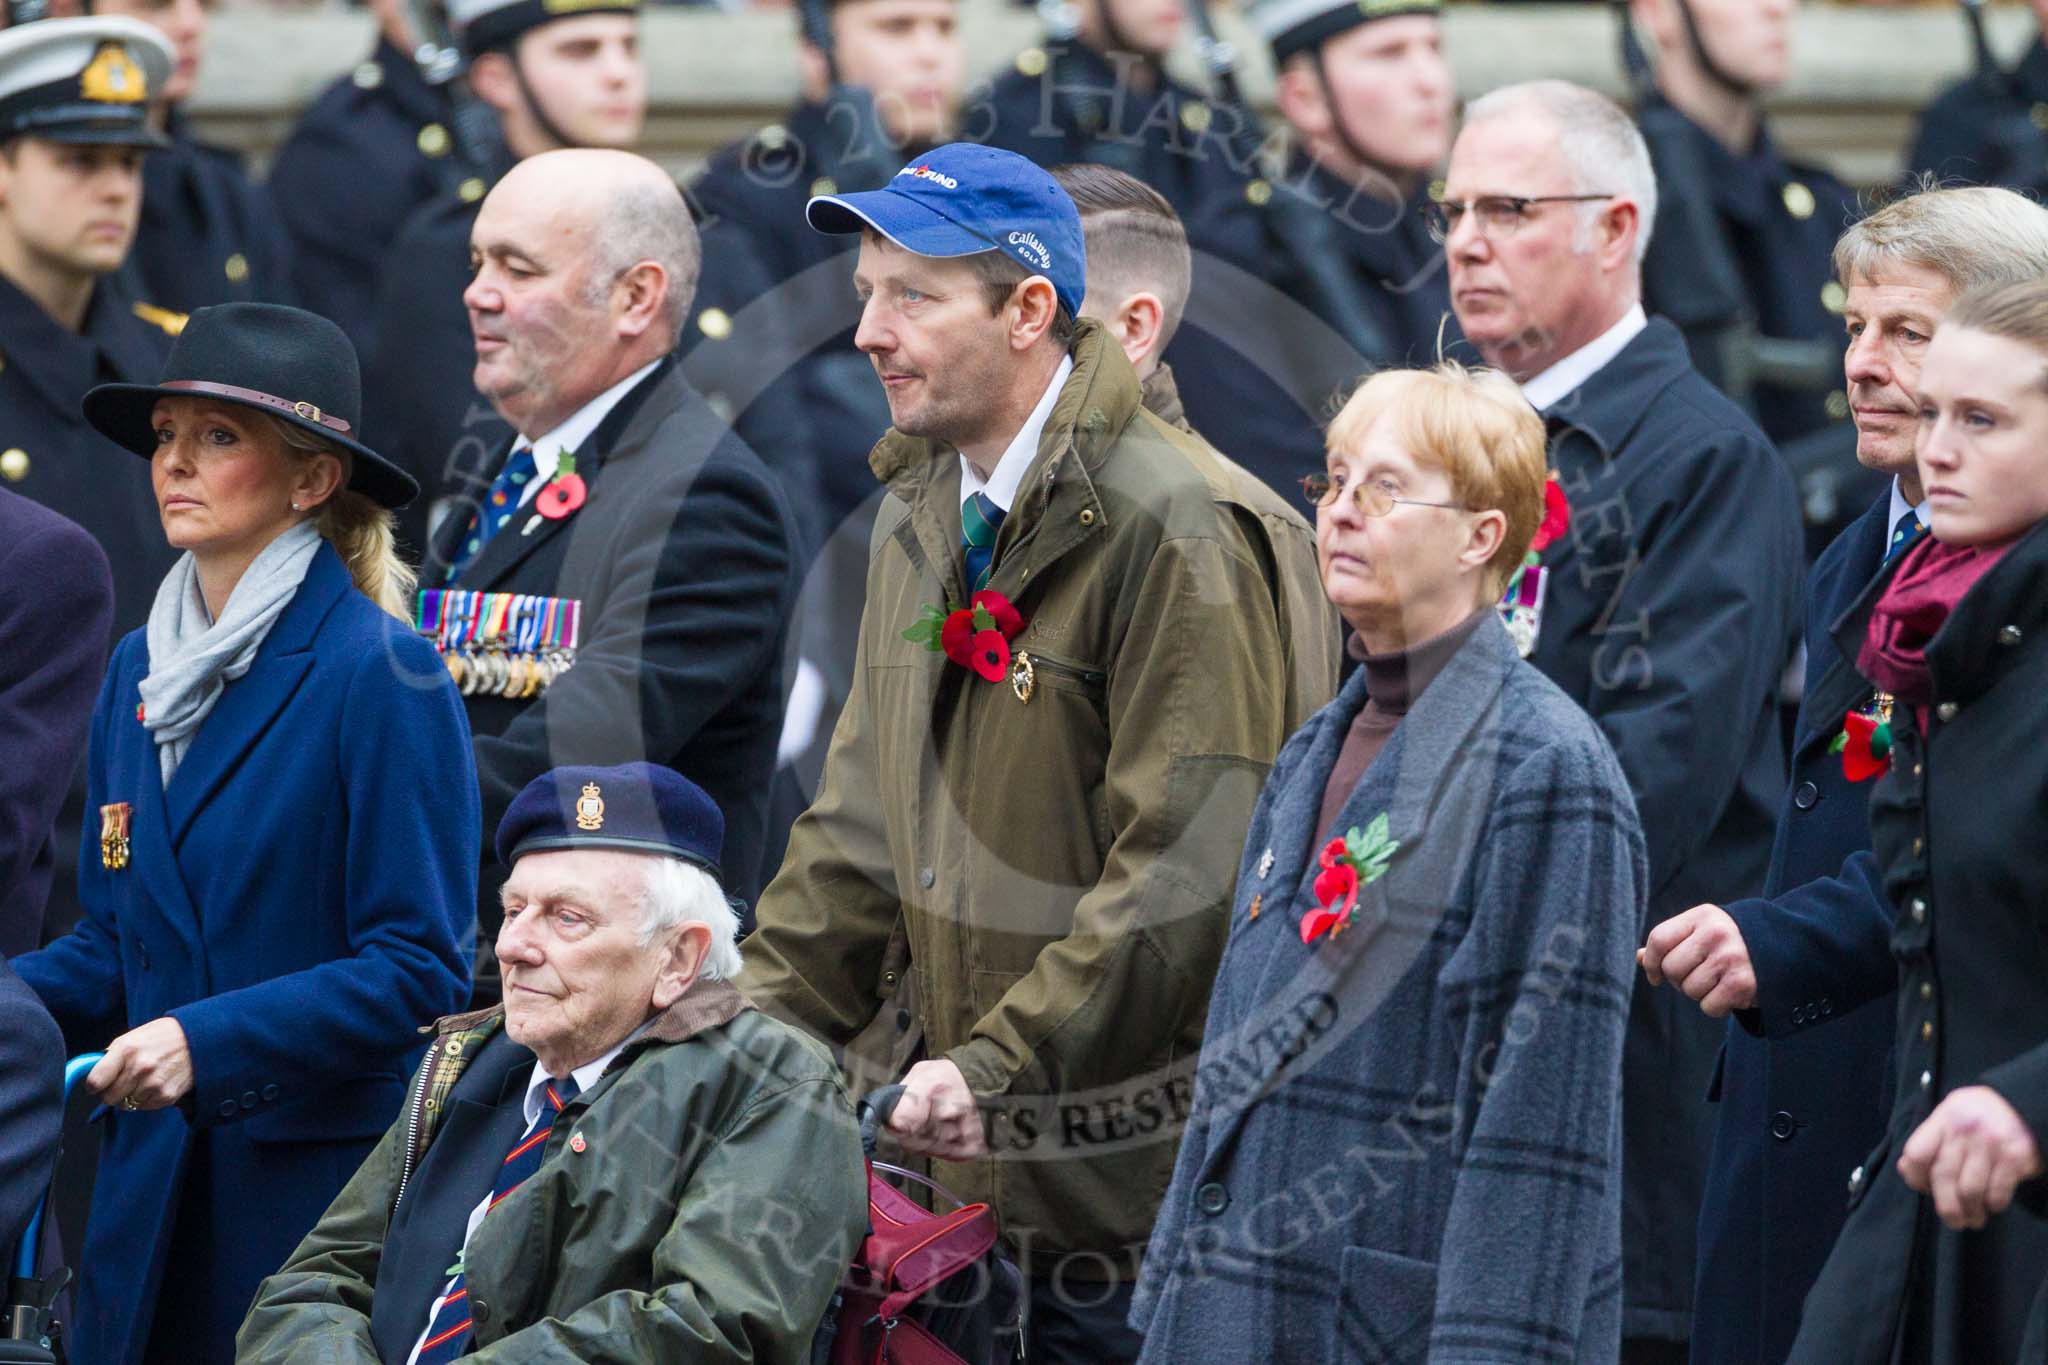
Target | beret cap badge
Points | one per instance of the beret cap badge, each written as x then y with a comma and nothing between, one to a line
112,78
590,808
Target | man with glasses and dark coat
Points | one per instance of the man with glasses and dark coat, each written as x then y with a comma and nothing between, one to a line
1669,606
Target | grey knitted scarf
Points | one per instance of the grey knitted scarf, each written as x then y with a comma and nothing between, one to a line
192,657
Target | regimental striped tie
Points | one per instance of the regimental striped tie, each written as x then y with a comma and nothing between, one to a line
980,519
497,508
448,1326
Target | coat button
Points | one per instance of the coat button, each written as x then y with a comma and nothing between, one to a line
1799,1015
14,464
1827,1008
1919,846
2008,635
1927,1080
1806,796
889,979
1212,1199
1926,1029
248,1099
269,1093
227,1109
1782,1126
1919,909
1927,990
927,878
1087,516
479,1312
1856,1180
1946,711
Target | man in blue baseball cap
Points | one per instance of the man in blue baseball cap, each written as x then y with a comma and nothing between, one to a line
1039,786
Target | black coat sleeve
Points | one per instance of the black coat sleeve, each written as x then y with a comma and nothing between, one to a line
56,615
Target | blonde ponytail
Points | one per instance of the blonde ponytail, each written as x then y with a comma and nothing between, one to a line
362,533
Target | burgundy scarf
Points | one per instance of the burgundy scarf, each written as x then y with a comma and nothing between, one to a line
1915,604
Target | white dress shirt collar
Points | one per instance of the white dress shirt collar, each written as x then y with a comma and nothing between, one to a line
1008,475
1546,389
571,434
1899,508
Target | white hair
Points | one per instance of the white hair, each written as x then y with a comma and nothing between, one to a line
678,893
1602,147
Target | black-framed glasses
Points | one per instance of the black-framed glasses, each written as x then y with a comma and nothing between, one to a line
1498,215
1373,499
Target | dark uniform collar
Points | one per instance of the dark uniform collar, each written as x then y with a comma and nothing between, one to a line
1748,187
1384,235
113,346
1609,406
400,82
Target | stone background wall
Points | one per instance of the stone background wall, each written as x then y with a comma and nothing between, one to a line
1860,74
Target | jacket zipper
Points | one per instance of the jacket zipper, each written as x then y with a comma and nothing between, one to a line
414,1111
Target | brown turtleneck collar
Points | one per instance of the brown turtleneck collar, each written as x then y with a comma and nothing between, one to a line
1392,683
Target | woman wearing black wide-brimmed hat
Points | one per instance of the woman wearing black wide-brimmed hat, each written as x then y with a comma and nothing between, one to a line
285,868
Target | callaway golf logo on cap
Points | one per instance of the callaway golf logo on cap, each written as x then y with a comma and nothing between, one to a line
963,199
1031,249
925,172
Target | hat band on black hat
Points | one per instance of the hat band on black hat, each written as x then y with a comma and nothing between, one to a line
58,105
1321,22
309,411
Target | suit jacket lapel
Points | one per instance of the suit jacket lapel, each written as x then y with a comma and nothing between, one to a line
624,430
1841,687
248,705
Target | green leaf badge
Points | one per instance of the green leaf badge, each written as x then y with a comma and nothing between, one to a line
1370,850
925,629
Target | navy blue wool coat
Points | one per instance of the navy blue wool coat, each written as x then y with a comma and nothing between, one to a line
293,899
1804,1083
1405,1141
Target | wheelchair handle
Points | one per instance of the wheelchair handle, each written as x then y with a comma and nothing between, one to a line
31,1238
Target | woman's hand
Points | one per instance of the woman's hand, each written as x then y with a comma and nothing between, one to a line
145,1068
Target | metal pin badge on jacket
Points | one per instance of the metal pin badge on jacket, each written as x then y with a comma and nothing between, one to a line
1265,865
531,522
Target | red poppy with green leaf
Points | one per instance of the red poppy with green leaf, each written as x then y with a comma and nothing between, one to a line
1865,743
564,493
1357,859
975,636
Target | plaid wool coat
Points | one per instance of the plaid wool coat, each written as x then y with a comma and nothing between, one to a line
1406,1137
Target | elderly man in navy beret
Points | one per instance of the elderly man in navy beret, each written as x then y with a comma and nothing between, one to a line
624,1160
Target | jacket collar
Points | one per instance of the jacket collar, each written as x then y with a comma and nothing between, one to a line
618,437
1842,687
244,713
1609,406
1160,393
1746,186
1387,237
1099,400
113,345
706,1005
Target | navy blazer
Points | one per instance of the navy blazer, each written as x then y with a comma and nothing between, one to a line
295,900
1672,607
1800,1108
56,609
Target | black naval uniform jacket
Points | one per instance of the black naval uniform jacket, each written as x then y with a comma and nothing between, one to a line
369,152
1805,1080
420,404
771,332
1671,609
684,559
1780,220
1261,368
1981,133
208,235
1066,102
1956,826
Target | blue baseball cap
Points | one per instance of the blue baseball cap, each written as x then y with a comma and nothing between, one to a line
963,199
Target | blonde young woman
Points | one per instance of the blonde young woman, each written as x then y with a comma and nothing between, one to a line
1944,1258
284,871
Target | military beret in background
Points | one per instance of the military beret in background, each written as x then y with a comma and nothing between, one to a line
83,80
482,25
638,807
1291,26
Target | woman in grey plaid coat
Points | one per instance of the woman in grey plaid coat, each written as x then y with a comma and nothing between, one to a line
1405,1142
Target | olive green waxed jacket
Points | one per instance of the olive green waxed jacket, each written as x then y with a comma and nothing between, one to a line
1060,844
698,1202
